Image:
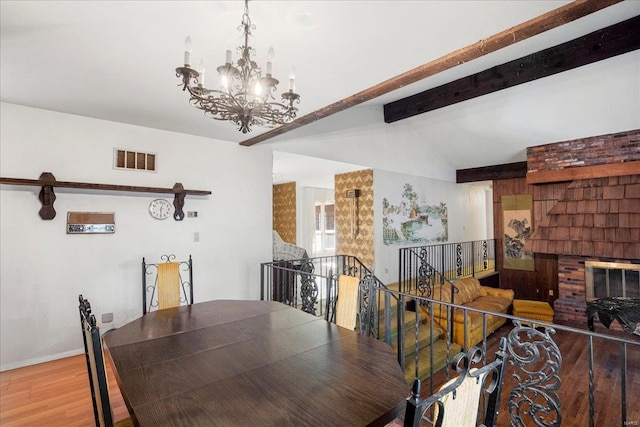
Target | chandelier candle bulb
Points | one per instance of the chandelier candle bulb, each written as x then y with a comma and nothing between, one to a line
187,51
201,71
292,79
228,61
270,54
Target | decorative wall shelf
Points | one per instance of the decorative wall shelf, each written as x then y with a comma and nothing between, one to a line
47,181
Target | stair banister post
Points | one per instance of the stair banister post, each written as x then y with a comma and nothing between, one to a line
473,258
400,337
387,317
442,269
412,414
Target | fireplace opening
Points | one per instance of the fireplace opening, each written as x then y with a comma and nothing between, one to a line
611,279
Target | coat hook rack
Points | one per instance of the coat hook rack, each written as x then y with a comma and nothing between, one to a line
47,196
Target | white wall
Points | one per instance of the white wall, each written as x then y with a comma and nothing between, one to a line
43,269
359,136
466,208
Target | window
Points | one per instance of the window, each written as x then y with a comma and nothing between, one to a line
325,227
612,279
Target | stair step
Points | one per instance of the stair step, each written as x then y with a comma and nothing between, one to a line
393,303
424,338
393,299
424,357
409,322
409,305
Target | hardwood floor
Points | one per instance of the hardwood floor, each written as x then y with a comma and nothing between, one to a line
57,393
53,394
574,390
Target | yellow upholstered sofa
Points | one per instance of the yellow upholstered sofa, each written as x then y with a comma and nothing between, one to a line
471,294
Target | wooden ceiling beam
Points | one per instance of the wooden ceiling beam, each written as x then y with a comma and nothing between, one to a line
491,173
530,28
602,44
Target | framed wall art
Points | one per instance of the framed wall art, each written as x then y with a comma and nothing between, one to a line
517,226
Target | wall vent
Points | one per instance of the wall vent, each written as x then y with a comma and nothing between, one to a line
125,159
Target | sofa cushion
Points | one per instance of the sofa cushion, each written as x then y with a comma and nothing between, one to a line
491,303
442,293
474,328
504,293
468,290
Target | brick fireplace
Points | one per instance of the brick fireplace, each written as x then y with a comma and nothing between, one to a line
587,198
571,304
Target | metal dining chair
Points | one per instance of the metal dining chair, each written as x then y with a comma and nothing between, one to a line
170,284
96,369
344,306
458,401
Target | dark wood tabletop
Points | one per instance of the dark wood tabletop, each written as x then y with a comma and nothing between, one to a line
252,363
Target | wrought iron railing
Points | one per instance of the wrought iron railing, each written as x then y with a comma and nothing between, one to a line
428,284
535,362
451,260
534,358
310,285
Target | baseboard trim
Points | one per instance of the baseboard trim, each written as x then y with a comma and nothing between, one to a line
38,360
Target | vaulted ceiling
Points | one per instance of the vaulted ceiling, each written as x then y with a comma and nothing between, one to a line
115,60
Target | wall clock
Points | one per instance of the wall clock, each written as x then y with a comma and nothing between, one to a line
160,209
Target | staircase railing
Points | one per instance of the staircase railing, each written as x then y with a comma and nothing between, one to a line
535,359
451,260
535,362
428,284
309,284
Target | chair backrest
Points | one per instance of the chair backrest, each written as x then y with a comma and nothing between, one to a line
347,301
458,401
461,404
166,284
95,365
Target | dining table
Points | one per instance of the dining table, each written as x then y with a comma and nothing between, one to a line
252,363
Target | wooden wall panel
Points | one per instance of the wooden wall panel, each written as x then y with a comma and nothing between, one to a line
284,211
532,285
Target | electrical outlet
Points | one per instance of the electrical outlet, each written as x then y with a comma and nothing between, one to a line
196,236
107,317
192,214
550,292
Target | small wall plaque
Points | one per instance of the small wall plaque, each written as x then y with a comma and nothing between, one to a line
91,223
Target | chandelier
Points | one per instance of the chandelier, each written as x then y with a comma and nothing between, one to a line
244,96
